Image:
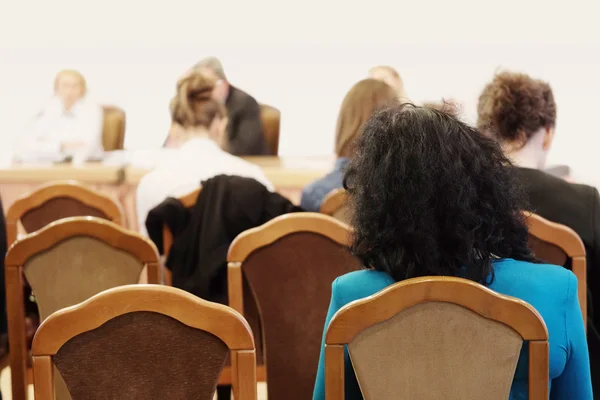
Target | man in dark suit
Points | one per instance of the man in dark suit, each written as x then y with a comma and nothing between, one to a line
245,131
520,113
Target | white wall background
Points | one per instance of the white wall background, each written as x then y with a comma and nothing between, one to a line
302,57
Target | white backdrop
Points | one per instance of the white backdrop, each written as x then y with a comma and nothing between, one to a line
302,57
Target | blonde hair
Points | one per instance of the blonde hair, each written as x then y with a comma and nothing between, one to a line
359,104
74,73
193,104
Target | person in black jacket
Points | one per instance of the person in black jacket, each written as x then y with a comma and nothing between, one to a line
245,129
520,113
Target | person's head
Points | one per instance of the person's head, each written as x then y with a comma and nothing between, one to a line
430,195
520,113
69,86
390,76
363,99
196,111
212,68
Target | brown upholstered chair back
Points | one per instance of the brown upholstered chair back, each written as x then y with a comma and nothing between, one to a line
559,245
290,264
66,263
55,201
188,201
335,204
144,342
113,131
271,122
429,338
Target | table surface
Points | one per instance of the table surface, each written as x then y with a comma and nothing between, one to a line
281,171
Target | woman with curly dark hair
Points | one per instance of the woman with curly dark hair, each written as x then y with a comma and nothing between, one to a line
430,195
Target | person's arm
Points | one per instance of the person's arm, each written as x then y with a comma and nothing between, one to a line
36,142
246,135
334,306
575,382
90,124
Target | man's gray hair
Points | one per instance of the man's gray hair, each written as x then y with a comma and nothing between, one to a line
214,65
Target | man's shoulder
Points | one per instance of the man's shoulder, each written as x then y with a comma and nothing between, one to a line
240,99
538,183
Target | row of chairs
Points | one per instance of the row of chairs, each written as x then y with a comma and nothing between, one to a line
255,281
113,132
146,322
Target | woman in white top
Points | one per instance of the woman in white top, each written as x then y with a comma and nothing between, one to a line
202,140
70,126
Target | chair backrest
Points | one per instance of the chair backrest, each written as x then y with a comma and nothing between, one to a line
144,342
335,205
271,122
113,130
57,200
290,264
65,263
430,338
558,244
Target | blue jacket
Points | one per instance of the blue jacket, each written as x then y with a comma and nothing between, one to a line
314,194
550,289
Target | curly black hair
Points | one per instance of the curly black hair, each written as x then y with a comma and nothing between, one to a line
430,195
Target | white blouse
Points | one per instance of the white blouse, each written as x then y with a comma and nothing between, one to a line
197,160
55,126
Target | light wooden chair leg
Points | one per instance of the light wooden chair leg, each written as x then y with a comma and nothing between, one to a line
15,310
43,378
244,370
334,372
538,370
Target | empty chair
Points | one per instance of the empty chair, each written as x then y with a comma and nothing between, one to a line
560,245
271,122
335,205
144,342
289,264
113,130
65,263
57,200
429,338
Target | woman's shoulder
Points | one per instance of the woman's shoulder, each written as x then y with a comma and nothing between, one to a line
360,284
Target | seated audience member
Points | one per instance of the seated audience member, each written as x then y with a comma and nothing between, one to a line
364,99
202,151
431,196
245,131
390,76
519,112
70,126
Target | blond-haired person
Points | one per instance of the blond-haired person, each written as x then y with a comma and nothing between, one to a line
359,104
201,149
69,126
390,76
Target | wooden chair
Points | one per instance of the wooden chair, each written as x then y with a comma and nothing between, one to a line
65,263
560,245
57,200
289,264
189,201
334,205
144,342
113,130
271,122
429,338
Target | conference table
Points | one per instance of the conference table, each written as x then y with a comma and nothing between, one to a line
288,174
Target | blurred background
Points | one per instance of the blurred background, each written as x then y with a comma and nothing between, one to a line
302,57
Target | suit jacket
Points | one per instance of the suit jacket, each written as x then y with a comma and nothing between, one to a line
578,207
226,207
245,131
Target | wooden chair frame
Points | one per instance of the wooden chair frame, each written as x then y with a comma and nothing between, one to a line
188,201
334,200
359,315
253,239
568,241
52,234
70,189
217,319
